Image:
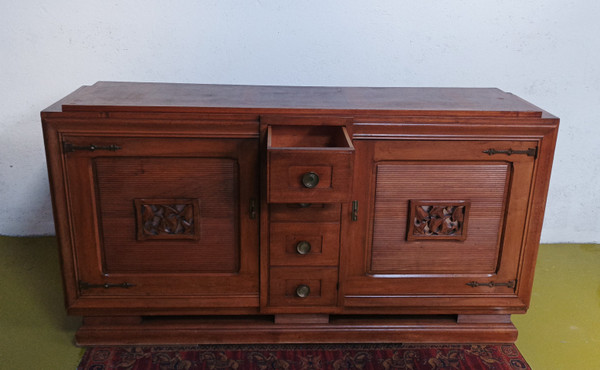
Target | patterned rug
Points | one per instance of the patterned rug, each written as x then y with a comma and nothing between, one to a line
292,357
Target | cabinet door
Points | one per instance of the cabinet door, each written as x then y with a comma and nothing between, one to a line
440,223
163,222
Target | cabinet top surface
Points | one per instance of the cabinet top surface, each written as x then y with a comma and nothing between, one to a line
169,97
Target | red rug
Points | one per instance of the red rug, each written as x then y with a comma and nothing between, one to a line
291,357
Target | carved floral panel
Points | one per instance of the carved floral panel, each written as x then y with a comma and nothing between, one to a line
167,218
438,220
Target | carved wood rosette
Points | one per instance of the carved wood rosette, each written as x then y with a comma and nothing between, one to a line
438,220
167,218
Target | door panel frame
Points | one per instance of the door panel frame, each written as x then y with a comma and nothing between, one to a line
159,291
405,292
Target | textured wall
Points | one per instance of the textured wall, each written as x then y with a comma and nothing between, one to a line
546,51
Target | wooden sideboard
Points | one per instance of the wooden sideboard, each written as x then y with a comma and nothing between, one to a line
266,214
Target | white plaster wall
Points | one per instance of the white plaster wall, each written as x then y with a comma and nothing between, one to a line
546,51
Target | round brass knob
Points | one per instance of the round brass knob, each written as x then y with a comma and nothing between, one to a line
310,180
303,247
303,291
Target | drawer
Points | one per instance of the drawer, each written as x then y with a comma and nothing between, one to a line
303,286
309,164
320,212
305,243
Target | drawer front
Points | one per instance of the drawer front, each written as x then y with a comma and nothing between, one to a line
303,286
317,176
296,244
305,212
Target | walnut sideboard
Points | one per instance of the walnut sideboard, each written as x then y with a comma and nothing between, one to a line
268,214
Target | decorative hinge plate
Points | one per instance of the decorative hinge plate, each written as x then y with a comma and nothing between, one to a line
68,147
531,152
509,284
85,285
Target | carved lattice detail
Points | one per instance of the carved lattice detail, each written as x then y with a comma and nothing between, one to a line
167,218
438,220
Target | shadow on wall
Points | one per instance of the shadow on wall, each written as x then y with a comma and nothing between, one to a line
28,211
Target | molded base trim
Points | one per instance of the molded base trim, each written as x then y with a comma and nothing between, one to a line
263,329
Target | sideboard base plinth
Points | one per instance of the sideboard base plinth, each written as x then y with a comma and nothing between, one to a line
253,330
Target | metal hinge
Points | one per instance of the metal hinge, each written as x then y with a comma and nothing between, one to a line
354,210
531,152
68,147
509,284
85,285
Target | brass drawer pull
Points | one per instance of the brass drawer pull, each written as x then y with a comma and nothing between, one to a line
303,291
303,247
310,180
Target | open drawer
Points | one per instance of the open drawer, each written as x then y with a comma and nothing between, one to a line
309,164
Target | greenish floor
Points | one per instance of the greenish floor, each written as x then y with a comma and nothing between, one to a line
35,332
560,331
